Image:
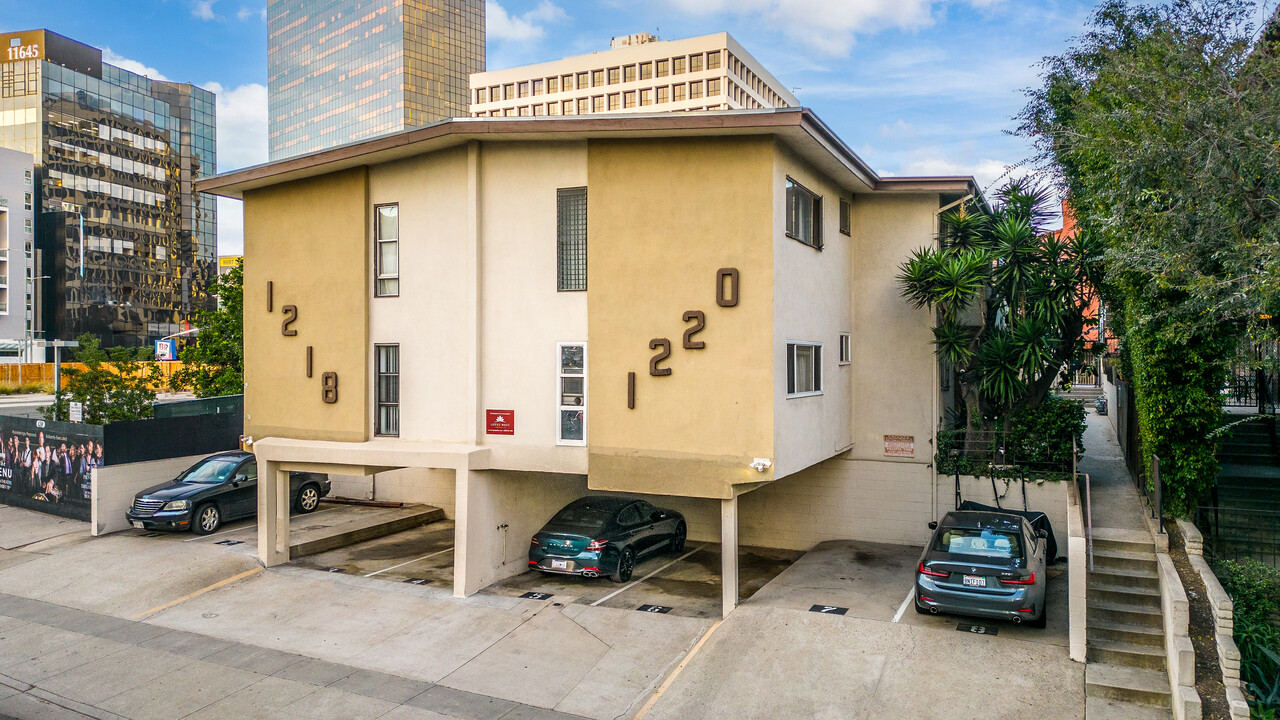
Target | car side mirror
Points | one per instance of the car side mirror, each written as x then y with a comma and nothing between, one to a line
933,524
1042,534
656,516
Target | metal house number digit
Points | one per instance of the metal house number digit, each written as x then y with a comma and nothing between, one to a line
329,386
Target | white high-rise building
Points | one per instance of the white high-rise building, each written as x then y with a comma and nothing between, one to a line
639,74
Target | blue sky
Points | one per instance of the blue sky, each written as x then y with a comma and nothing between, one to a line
916,87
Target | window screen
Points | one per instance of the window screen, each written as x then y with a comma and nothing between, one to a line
571,239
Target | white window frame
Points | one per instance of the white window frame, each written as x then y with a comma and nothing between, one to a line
378,275
791,366
846,348
560,376
378,404
813,232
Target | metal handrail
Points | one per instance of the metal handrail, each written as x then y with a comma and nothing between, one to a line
1088,516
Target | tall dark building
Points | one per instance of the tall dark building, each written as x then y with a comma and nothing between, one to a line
339,71
123,249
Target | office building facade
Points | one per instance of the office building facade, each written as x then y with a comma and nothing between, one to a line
339,71
639,74
123,248
17,231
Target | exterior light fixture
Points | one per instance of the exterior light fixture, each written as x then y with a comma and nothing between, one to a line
761,464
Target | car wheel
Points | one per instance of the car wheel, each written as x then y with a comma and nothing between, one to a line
626,563
1041,621
308,499
677,540
208,520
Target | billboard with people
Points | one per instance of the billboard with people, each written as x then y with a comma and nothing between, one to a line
46,465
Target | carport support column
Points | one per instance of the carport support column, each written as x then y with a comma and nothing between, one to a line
273,514
729,553
471,569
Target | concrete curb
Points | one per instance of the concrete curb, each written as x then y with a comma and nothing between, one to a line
1180,652
1223,625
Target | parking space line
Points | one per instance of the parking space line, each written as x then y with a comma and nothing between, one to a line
410,562
628,586
653,700
198,593
246,527
903,607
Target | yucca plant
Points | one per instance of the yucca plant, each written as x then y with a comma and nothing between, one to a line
1010,298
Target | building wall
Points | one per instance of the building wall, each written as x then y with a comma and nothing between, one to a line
310,239
811,305
661,226
894,390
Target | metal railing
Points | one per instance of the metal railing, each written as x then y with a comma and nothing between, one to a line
1088,499
1238,533
1152,492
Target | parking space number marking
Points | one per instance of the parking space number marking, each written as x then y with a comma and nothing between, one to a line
417,581
537,596
654,609
829,609
978,629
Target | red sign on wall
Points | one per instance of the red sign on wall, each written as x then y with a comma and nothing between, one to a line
500,422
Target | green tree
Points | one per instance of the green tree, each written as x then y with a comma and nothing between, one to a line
214,363
122,390
1011,299
1162,123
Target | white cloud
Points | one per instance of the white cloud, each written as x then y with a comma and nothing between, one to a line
246,12
501,25
203,9
986,171
131,65
242,141
829,26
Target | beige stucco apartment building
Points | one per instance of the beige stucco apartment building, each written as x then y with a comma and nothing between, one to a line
638,74
497,316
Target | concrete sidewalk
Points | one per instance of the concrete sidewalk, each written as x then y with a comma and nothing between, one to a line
1116,502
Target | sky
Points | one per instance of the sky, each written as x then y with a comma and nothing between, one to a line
915,87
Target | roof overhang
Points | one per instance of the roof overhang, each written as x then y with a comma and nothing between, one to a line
799,128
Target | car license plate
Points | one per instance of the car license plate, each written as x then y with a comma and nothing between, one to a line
137,524
975,581
559,564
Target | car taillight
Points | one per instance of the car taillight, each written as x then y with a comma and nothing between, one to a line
534,541
1029,580
932,573
596,545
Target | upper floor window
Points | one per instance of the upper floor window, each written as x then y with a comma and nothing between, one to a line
846,348
571,239
846,216
804,369
804,215
387,258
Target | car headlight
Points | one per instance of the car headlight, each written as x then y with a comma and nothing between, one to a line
176,505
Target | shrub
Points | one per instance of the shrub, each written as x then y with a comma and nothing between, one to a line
1254,588
1042,436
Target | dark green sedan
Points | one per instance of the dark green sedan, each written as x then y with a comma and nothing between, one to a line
603,535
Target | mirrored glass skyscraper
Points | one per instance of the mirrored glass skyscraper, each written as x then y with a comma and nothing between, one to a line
122,248
339,71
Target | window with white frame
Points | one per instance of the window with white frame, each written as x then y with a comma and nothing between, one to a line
571,393
387,359
846,348
804,215
387,259
804,369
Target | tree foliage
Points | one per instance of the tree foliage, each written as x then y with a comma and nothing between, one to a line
1011,299
214,364
121,390
1162,124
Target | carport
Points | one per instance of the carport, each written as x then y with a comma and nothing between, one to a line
279,456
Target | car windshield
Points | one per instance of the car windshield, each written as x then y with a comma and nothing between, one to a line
982,542
210,471
581,515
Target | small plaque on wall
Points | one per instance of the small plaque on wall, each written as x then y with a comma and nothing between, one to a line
899,446
500,422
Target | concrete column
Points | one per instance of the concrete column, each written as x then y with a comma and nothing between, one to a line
471,544
729,553
273,514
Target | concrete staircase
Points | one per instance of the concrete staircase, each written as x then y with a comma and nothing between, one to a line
1127,674
1250,473
1083,393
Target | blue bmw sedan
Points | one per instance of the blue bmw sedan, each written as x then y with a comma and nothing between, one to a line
603,535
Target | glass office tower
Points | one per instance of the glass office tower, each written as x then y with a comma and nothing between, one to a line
123,248
339,71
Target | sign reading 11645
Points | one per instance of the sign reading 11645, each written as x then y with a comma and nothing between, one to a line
22,52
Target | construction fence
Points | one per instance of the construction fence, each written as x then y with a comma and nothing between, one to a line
13,375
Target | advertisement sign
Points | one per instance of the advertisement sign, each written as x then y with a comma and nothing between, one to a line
167,349
500,422
45,465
